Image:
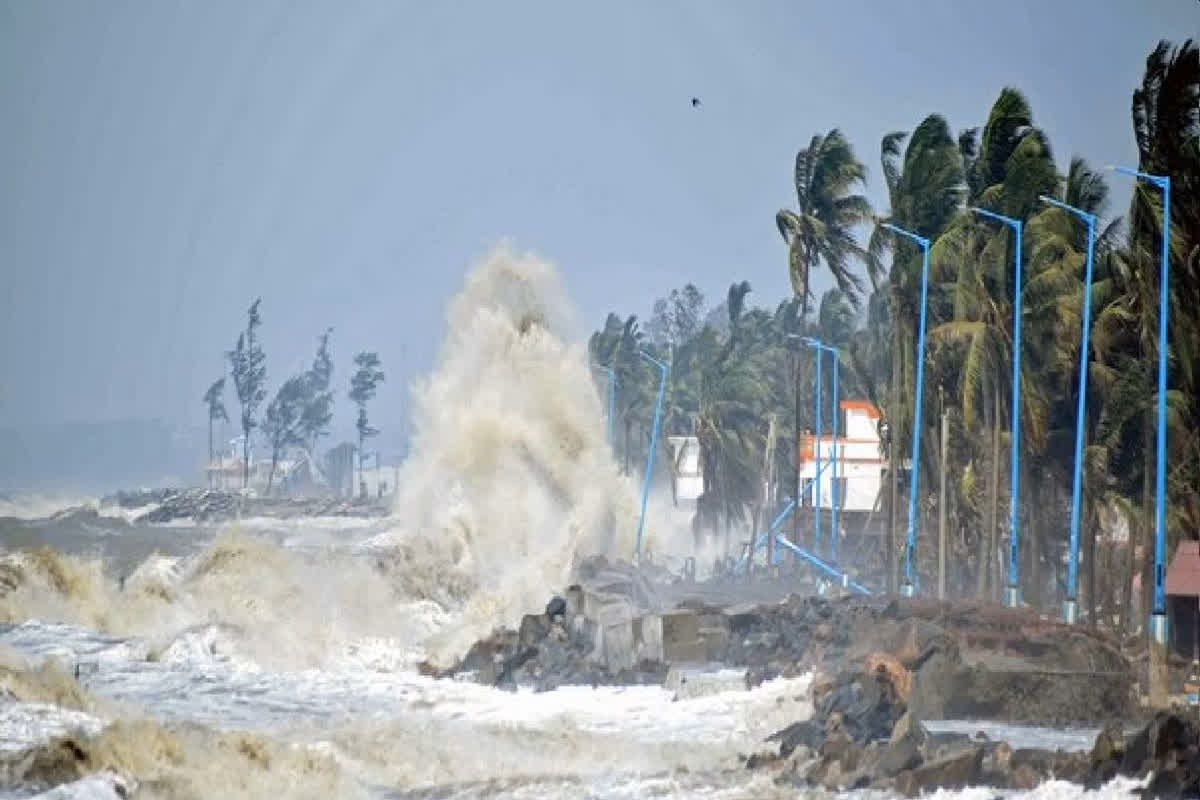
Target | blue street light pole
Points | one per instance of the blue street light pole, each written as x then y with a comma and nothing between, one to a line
836,356
817,456
1012,592
662,385
1071,604
833,536
910,546
612,398
1158,621
817,345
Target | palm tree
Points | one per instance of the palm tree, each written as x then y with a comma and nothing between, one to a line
924,192
619,347
216,411
729,424
1012,168
821,231
1166,125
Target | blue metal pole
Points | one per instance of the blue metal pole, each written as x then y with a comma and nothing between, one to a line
1014,562
662,385
1071,605
910,546
1012,592
833,537
916,445
817,474
1160,489
1158,619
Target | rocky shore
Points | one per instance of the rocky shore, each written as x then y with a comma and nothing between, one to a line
863,734
616,625
880,667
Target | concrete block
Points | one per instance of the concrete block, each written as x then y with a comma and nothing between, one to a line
680,625
700,681
619,649
709,621
715,641
648,634
600,604
693,652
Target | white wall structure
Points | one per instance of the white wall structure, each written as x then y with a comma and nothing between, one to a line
689,479
860,463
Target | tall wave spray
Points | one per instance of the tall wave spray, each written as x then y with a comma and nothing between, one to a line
510,476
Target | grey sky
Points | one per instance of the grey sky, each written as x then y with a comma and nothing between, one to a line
162,163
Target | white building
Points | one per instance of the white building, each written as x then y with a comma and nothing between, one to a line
689,480
860,462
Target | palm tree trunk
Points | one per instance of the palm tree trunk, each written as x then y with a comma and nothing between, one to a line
1105,548
1090,553
210,452
1148,467
992,578
1035,546
893,454
245,457
1127,576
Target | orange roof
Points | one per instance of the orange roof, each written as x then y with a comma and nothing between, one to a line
861,405
1183,574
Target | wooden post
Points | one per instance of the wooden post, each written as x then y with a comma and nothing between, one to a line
942,502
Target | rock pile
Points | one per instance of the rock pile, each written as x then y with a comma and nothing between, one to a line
558,647
215,506
986,664
863,735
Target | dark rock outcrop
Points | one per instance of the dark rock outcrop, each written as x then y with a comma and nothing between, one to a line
549,650
844,737
215,506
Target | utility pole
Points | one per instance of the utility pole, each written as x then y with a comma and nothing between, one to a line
942,500
768,462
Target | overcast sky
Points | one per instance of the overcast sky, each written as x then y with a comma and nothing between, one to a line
162,163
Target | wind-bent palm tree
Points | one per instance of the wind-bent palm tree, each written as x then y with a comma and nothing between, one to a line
821,231
1166,125
924,192
216,411
1013,167
619,347
729,425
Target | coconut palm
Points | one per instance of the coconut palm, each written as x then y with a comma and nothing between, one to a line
924,191
216,413
821,229
1166,126
1013,167
729,424
619,346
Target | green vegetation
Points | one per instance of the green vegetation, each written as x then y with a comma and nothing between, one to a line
301,411
248,365
731,372
363,385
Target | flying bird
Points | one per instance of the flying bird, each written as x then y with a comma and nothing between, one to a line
695,102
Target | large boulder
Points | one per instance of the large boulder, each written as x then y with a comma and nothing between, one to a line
906,747
952,772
